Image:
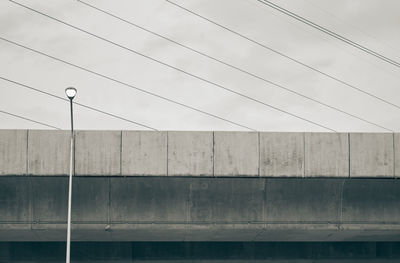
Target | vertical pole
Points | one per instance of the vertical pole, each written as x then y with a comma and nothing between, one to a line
70,189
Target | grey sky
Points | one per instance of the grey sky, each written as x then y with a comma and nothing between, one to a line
374,24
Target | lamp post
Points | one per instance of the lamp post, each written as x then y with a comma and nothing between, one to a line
70,92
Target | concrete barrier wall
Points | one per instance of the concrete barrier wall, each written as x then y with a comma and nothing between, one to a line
200,209
211,154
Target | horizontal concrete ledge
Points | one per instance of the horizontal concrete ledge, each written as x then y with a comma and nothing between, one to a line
175,208
205,232
201,154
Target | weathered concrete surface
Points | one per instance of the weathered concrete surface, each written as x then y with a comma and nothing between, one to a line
15,202
207,154
49,199
148,200
49,152
306,201
93,198
190,153
144,153
13,152
90,200
326,154
236,154
371,155
281,154
371,200
98,153
200,209
239,200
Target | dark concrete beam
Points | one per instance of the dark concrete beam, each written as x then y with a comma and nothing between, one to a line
200,209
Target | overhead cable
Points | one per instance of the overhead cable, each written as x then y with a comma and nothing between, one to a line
329,32
129,85
287,56
28,119
77,103
235,67
175,68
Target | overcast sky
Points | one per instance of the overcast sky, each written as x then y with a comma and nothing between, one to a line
372,23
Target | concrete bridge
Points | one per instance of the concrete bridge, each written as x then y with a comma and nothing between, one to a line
140,186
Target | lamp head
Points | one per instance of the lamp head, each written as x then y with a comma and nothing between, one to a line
70,92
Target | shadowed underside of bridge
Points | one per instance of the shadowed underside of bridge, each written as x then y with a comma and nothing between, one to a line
33,208
210,252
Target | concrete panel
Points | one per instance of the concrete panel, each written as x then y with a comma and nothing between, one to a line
13,152
396,138
371,155
50,199
303,200
236,154
49,152
90,199
148,199
98,153
144,153
281,154
326,154
226,200
14,199
371,201
190,153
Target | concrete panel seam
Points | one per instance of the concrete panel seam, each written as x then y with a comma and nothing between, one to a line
348,142
74,153
109,201
120,155
213,154
188,205
341,204
27,155
264,217
30,194
33,202
304,154
167,151
394,156
259,154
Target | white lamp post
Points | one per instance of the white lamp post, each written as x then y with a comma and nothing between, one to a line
70,92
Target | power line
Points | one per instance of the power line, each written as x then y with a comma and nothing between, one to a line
128,85
175,68
329,32
234,67
286,56
77,103
357,28
28,119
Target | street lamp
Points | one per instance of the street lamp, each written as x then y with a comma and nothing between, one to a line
70,92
